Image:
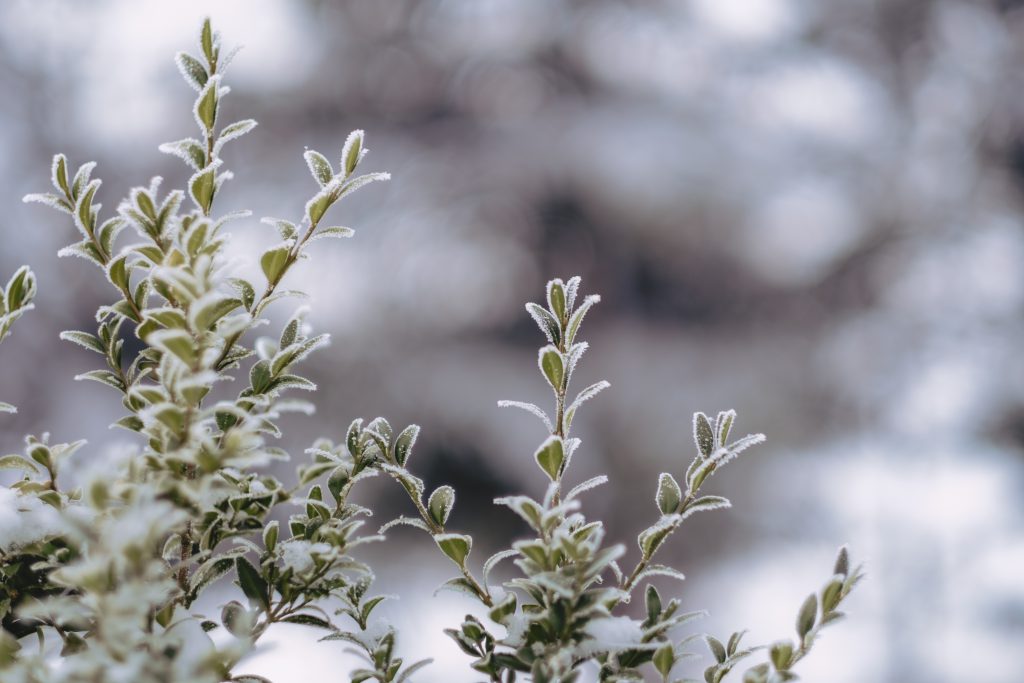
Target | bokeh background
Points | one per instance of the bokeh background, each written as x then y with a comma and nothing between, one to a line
809,211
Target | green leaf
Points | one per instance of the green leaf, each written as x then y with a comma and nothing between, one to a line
103,377
205,109
550,362
83,339
334,231
203,185
207,310
705,503
723,425
118,272
545,321
178,343
651,538
260,377
703,435
274,262
669,494
652,601
716,647
59,173
286,229
192,70
832,594
576,319
319,167
251,583
556,299
551,456
308,620
807,616
17,462
781,653
190,150
318,205
245,291
842,565
236,619
233,131
206,41
455,546
664,659
270,533
440,504
404,444
352,152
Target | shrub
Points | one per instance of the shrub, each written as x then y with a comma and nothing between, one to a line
111,570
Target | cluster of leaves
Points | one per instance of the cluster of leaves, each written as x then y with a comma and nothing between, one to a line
15,301
817,611
566,605
113,570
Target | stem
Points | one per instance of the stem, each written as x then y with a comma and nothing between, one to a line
293,256
628,585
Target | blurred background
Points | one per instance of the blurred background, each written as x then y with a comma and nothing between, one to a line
808,211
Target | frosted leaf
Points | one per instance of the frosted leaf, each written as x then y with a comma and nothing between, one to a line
192,70
360,181
705,503
7,408
233,131
50,200
545,321
352,152
572,288
205,108
81,178
494,559
319,167
587,394
591,483
228,57
336,232
530,408
660,570
727,453
576,319
576,352
723,423
190,150
407,521
59,174
286,229
703,434
551,365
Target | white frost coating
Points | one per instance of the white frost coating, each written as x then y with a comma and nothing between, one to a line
530,408
516,627
25,520
298,554
611,634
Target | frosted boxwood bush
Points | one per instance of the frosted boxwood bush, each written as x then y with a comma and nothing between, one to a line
100,578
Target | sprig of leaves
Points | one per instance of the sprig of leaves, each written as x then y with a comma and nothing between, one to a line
15,301
817,611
